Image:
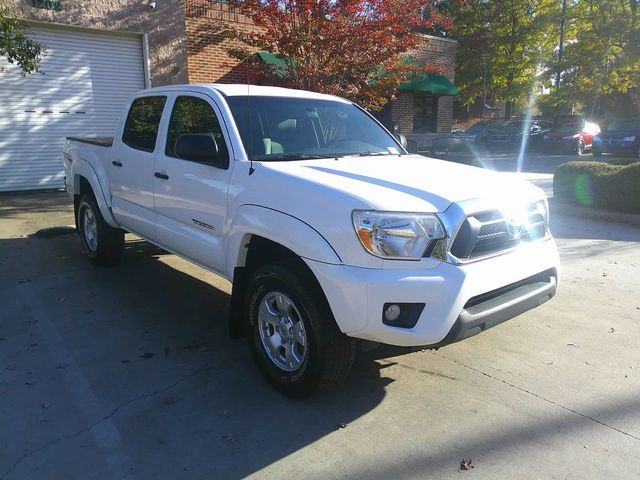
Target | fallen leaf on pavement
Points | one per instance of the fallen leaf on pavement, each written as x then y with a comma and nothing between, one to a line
342,425
45,405
230,437
574,345
146,355
612,330
465,464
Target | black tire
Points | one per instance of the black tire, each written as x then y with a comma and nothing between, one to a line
580,148
596,153
107,246
329,353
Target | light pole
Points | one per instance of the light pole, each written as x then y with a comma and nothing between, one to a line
485,58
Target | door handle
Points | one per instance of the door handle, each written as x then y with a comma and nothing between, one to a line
163,176
115,163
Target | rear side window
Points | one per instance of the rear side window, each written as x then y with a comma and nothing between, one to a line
141,128
194,115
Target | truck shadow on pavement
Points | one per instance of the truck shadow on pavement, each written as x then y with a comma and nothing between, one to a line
143,348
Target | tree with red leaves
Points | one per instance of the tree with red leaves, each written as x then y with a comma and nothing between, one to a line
351,48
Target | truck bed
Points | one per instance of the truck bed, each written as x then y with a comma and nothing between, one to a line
100,141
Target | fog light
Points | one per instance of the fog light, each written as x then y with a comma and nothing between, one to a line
392,312
401,315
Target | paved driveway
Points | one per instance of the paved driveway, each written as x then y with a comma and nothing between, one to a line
127,373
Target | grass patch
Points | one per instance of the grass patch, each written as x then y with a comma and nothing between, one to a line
599,185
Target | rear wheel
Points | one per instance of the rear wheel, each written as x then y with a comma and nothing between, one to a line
102,244
293,336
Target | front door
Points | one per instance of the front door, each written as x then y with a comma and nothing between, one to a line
131,167
191,194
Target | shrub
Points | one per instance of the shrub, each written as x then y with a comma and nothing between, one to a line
596,184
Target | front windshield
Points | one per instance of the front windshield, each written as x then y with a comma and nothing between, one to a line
515,127
284,128
569,128
477,128
625,125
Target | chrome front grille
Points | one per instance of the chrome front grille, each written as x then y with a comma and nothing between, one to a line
491,232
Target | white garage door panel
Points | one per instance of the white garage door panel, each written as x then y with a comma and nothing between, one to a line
87,78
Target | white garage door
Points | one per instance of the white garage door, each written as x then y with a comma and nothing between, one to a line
85,81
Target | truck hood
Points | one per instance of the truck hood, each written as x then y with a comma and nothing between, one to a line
409,183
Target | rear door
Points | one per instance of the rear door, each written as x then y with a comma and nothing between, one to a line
191,195
131,166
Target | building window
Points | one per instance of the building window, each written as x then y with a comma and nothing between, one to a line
425,113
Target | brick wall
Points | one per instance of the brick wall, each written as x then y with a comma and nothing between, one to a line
439,52
208,39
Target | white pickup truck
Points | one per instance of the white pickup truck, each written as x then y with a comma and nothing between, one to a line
327,228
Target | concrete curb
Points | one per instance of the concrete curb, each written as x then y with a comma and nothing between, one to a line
563,208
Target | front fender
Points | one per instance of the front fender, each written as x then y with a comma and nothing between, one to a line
279,227
83,169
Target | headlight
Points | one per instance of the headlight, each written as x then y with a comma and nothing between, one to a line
629,139
391,235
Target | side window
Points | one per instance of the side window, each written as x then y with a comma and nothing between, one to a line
194,115
141,128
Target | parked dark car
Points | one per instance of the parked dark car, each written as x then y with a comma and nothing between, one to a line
511,135
621,137
476,135
571,138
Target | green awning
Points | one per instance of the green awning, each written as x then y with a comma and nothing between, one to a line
430,83
424,83
279,66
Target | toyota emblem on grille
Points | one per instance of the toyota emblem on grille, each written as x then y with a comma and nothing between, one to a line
515,228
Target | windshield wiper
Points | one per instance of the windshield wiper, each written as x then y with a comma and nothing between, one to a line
293,156
365,154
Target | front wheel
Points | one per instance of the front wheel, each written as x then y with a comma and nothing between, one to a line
580,148
102,244
293,336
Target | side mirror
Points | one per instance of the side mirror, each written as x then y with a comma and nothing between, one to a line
200,147
402,139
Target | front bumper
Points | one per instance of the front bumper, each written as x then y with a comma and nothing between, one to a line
460,301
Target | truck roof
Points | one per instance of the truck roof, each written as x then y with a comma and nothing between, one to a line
238,89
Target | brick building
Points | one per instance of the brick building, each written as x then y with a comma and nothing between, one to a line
419,113
100,53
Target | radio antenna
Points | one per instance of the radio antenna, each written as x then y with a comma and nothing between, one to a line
251,168
248,72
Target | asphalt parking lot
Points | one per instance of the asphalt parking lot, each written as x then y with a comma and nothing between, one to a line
128,373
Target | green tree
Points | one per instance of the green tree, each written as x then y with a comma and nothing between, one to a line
601,64
503,44
352,48
15,46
